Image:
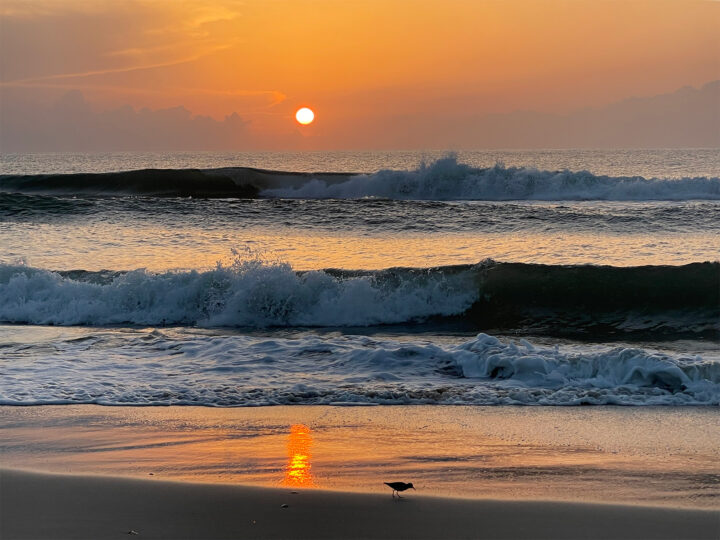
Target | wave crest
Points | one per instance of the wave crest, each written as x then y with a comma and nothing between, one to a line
171,367
443,179
446,179
252,292
551,369
247,293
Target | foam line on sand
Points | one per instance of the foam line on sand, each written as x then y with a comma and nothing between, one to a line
34,505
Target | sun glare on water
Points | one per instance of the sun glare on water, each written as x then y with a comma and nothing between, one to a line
304,116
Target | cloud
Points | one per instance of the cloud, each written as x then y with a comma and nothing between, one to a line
49,40
70,124
36,81
688,117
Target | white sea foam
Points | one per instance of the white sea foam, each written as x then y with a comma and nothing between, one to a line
617,375
252,293
446,179
178,367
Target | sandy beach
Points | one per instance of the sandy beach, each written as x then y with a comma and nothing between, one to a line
611,455
75,507
494,472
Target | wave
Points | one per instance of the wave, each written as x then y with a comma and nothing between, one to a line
443,179
145,182
616,376
22,206
599,299
489,295
446,179
249,293
166,367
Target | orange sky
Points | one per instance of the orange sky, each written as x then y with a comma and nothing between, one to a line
357,63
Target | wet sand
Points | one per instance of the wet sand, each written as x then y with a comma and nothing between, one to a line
648,456
91,507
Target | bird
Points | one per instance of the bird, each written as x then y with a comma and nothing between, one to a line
397,487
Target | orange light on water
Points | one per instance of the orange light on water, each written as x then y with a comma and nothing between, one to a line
298,469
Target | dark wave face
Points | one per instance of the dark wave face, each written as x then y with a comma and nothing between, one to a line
586,300
147,182
444,179
600,299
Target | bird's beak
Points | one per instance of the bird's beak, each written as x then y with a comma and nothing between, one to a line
414,488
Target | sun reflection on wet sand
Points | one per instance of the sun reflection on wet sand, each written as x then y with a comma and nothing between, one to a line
298,469
600,454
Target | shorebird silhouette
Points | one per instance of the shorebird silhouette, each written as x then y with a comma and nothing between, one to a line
397,487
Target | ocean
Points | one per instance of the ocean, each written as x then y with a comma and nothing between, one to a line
355,278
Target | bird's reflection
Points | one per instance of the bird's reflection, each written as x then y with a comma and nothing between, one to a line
297,470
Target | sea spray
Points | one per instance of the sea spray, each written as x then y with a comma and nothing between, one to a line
446,179
245,293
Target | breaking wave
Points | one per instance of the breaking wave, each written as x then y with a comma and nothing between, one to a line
249,293
488,295
444,179
614,376
163,368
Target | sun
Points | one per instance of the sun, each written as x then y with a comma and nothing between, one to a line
304,116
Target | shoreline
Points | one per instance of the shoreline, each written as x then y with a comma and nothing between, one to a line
42,505
651,457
